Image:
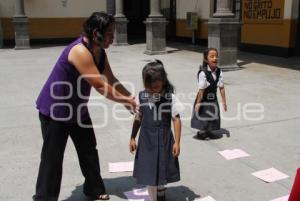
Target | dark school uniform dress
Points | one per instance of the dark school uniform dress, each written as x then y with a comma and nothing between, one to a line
207,118
154,162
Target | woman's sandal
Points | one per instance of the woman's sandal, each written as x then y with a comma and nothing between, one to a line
161,194
102,197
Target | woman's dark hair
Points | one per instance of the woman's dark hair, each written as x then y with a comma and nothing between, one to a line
155,71
99,21
205,55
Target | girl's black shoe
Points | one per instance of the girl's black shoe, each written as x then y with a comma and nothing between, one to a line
161,198
202,135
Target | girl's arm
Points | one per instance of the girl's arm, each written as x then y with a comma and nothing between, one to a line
177,131
135,128
199,99
202,84
222,92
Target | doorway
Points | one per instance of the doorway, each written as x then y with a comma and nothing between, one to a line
297,47
169,12
136,12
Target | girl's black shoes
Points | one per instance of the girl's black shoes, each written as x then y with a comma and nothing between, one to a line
206,135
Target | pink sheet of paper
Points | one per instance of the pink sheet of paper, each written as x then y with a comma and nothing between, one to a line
270,175
284,198
207,198
137,195
121,167
233,154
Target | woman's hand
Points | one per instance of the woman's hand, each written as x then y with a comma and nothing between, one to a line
131,105
137,107
132,146
176,149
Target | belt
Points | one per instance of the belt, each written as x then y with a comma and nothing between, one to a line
211,96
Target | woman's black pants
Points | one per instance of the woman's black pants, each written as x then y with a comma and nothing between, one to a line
55,136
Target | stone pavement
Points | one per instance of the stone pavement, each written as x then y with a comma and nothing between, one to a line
273,141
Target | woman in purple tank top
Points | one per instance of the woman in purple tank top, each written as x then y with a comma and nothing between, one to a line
63,112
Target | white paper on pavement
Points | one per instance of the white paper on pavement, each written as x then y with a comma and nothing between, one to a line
270,175
233,154
207,198
121,167
284,198
137,195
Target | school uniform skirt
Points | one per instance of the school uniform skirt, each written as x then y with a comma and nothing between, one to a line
207,118
154,162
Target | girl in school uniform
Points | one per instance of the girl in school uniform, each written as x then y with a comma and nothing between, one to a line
156,159
206,112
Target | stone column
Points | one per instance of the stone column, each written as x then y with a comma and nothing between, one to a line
120,37
155,8
155,30
223,30
119,8
223,9
21,26
111,7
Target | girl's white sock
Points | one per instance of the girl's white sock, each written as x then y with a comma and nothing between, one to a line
152,190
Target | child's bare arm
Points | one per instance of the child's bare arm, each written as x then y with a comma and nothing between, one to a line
177,132
223,96
199,99
135,128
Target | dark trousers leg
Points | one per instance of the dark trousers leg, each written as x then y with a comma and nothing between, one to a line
85,143
50,171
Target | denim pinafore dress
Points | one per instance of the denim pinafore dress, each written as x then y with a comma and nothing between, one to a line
154,162
207,118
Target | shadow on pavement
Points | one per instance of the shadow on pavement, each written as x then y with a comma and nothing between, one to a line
245,58
222,132
117,187
77,194
180,193
281,62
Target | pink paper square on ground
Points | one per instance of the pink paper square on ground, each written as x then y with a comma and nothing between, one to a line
233,154
121,167
137,195
284,198
207,198
270,175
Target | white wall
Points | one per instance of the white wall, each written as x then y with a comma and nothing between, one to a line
202,7
164,3
54,8
7,8
288,6
295,9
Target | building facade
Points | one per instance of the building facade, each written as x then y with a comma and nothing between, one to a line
268,26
